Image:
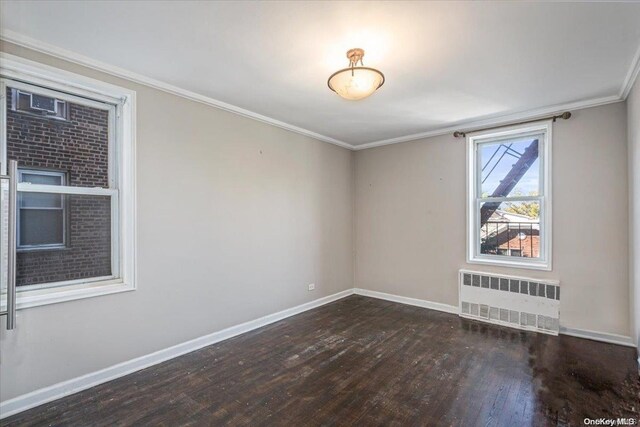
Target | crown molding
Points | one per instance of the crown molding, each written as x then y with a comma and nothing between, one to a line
632,75
495,121
76,58
70,56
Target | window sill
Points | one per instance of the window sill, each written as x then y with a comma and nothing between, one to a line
511,263
40,297
42,249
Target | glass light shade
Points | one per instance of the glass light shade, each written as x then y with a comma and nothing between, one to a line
356,83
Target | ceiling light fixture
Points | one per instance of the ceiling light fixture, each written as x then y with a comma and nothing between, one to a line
355,82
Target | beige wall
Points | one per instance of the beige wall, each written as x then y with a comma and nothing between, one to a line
633,133
410,219
235,219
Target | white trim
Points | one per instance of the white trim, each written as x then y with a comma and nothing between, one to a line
632,75
496,121
67,55
26,187
69,292
65,283
65,388
598,336
545,197
510,262
43,47
408,301
16,68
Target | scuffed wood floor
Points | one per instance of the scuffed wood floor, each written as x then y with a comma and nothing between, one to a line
366,362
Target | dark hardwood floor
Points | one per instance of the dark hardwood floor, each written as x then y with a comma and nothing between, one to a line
366,362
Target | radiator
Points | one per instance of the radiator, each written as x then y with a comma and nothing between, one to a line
518,302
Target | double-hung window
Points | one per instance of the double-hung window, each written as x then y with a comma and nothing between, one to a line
509,197
72,138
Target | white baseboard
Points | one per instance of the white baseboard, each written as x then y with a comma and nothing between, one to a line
409,301
579,333
56,391
598,336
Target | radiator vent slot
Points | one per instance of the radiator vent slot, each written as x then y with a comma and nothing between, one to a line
518,302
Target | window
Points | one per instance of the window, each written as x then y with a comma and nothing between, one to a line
41,217
40,105
509,197
73,139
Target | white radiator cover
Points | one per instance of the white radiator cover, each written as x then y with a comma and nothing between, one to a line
517,302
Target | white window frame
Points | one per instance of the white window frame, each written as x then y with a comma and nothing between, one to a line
21,73
474,197
41,247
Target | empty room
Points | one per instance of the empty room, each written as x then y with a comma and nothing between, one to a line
319,213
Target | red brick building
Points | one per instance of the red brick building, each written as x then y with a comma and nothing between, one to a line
511,234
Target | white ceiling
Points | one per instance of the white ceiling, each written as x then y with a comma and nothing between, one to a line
446,63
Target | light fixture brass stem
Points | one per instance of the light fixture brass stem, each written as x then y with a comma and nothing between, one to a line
355,56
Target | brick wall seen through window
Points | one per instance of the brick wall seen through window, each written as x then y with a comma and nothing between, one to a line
79,147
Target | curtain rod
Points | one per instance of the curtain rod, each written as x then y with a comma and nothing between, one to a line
565,116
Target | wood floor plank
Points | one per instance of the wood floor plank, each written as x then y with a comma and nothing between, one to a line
362,361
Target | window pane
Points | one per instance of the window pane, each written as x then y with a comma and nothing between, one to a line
41,200
41,227
77,145
43,179
510,229
510,167
87,231
43,102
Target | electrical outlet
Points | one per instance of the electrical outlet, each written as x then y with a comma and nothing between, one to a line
312,286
